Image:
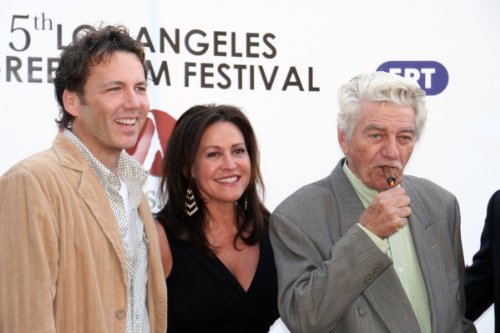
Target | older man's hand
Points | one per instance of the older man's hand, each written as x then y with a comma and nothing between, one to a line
387,212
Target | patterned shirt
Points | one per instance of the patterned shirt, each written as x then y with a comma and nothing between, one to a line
130,180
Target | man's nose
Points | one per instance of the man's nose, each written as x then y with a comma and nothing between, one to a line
391,149
132,99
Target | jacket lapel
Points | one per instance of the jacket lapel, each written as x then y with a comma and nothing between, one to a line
386,293
92,194
350,205
423,230
389,300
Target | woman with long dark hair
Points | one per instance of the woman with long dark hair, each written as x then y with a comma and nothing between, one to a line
213,228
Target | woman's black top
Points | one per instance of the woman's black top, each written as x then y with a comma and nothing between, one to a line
204,296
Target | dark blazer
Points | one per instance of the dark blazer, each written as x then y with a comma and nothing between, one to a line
333,278
482,278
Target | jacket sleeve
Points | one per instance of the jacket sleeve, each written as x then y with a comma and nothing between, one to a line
316,290
28,255
479,276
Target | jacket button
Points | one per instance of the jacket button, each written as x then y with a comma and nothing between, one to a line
361,311
120,314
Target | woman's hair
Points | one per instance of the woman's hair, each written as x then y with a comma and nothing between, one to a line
251,215
379,87
91,47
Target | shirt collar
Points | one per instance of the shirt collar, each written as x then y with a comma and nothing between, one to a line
364,193
128,169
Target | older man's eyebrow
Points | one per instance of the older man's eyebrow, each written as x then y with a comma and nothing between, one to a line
374,127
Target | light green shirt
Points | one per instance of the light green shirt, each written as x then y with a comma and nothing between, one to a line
399,246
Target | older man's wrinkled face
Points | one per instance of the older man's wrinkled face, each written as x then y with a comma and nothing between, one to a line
384,136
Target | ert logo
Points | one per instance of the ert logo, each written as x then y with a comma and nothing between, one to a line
430,75
162,126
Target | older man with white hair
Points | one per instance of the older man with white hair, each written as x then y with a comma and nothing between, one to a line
368,248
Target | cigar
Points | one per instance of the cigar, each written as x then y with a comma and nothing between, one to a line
389,176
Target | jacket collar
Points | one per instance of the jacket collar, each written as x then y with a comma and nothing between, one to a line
92,194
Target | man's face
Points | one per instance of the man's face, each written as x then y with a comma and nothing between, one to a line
114,106
384,136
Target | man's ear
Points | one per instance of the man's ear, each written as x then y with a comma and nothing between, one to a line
71,102
343,140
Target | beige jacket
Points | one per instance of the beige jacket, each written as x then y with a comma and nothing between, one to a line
62,264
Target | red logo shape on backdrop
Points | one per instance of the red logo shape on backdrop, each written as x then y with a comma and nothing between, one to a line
164,126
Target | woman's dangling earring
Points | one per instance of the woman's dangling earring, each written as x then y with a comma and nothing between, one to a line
190,203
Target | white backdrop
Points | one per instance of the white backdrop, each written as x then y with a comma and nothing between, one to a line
314,47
